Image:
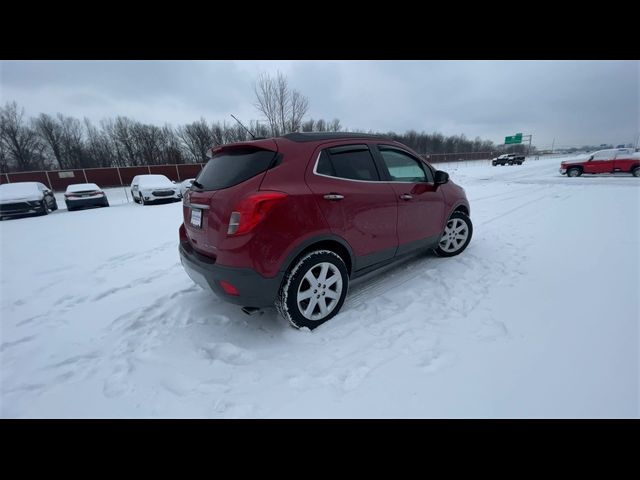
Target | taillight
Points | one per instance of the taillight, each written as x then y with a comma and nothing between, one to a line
252,210
182,232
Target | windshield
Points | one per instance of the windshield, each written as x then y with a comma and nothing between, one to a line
154,181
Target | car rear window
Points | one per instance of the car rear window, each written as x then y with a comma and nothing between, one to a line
234,166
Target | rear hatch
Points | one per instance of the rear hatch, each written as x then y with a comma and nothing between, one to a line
233,172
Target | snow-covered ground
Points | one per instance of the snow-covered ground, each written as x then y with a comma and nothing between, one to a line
538,318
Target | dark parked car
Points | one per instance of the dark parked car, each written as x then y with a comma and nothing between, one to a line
83,195
508,159
290,220
23,198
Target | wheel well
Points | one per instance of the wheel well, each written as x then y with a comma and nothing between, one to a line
463,209
579,167
332,245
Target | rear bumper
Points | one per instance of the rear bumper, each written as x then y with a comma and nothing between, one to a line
254,289
87,202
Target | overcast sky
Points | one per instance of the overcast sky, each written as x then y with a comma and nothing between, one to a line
575,102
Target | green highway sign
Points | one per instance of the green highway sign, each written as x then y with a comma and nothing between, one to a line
517,138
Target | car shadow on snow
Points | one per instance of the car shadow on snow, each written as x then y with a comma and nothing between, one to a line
226,321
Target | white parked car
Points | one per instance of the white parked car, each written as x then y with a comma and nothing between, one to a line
185,185
81,195
23,198
152,188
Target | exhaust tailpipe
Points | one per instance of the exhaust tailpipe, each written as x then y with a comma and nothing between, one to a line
252,310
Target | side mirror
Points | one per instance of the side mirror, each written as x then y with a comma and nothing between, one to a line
591,158
441,177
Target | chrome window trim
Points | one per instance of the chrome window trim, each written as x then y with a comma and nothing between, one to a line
315,172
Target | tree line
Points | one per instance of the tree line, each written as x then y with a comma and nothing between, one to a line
63,142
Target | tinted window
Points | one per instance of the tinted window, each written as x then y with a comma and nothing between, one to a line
404,168
233,166
350,164
324,165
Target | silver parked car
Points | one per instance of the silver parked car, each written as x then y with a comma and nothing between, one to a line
151,188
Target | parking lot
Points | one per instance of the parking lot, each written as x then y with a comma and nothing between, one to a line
99,318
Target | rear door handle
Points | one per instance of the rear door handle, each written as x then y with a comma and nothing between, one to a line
406,196
333,196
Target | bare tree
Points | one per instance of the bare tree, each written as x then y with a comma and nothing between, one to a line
120,133
98,146
51,133
266,101
21,142
171,152
282,107
258,129
196,138
72,142
4,159
283,100
298,109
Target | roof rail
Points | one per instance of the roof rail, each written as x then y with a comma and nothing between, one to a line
314,136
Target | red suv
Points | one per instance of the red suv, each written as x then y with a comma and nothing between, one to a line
290,220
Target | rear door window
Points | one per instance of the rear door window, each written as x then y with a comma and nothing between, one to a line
351,162
231,167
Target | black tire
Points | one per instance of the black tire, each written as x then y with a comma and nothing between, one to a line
45,210
134,198
444,251
55,206
105,204
510,163
574,172
287,302
142,200
636,172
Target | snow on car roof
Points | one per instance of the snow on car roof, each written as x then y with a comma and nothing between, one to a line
19,189
82,187
155,180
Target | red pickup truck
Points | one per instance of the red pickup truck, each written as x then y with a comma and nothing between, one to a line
604,161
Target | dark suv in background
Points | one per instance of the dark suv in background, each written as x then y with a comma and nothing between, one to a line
290,220
508,159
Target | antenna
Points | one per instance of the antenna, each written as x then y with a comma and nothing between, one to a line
249,131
